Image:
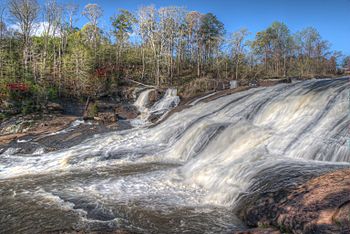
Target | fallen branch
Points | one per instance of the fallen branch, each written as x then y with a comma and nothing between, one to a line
139,83
87,104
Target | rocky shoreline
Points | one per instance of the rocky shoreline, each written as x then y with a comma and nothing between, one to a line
27,134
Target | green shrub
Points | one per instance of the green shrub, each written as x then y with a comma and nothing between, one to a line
52,93
93,110
28,107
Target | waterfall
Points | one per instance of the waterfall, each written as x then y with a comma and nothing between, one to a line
207,154
160,108
141,103
165,104
142,100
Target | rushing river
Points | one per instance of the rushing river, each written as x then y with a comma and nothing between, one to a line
185,174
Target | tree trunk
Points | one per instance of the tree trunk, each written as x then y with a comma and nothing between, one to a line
143,63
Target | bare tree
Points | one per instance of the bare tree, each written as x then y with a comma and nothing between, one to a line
51,16
171,30
71,10
25,13
2,32
149,31
193,23
93,12
237,48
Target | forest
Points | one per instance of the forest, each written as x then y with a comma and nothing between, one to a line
164,119
44,55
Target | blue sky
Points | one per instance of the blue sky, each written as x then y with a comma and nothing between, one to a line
330,17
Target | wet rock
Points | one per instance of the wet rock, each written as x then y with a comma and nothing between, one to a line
19,126
127,93
320,205
154,96
267,230
72,106
104,106
106,117
14,126
126,111
54,107
154,117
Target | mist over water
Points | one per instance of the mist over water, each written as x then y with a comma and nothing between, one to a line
184,174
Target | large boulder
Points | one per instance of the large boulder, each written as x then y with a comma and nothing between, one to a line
126,111
106,117
54,107
319,205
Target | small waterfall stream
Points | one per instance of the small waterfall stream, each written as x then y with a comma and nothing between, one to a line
184,174
160,108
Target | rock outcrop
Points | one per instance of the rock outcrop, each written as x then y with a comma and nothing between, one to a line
154,96
20,126
106,117
321,205
126,111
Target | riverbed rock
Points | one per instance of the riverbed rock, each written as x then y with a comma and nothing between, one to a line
126,111
154,96
104,106
54,107
267,230
106,117
320,205
19,126
154,117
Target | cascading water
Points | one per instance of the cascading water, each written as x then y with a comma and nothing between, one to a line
184,174
169,101
141,104
160,108
142,100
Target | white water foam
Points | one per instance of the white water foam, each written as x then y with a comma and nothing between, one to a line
221,144
160,108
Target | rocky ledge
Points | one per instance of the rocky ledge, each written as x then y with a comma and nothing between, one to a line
320,205
50,132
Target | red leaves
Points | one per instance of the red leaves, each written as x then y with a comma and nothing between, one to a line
22,87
